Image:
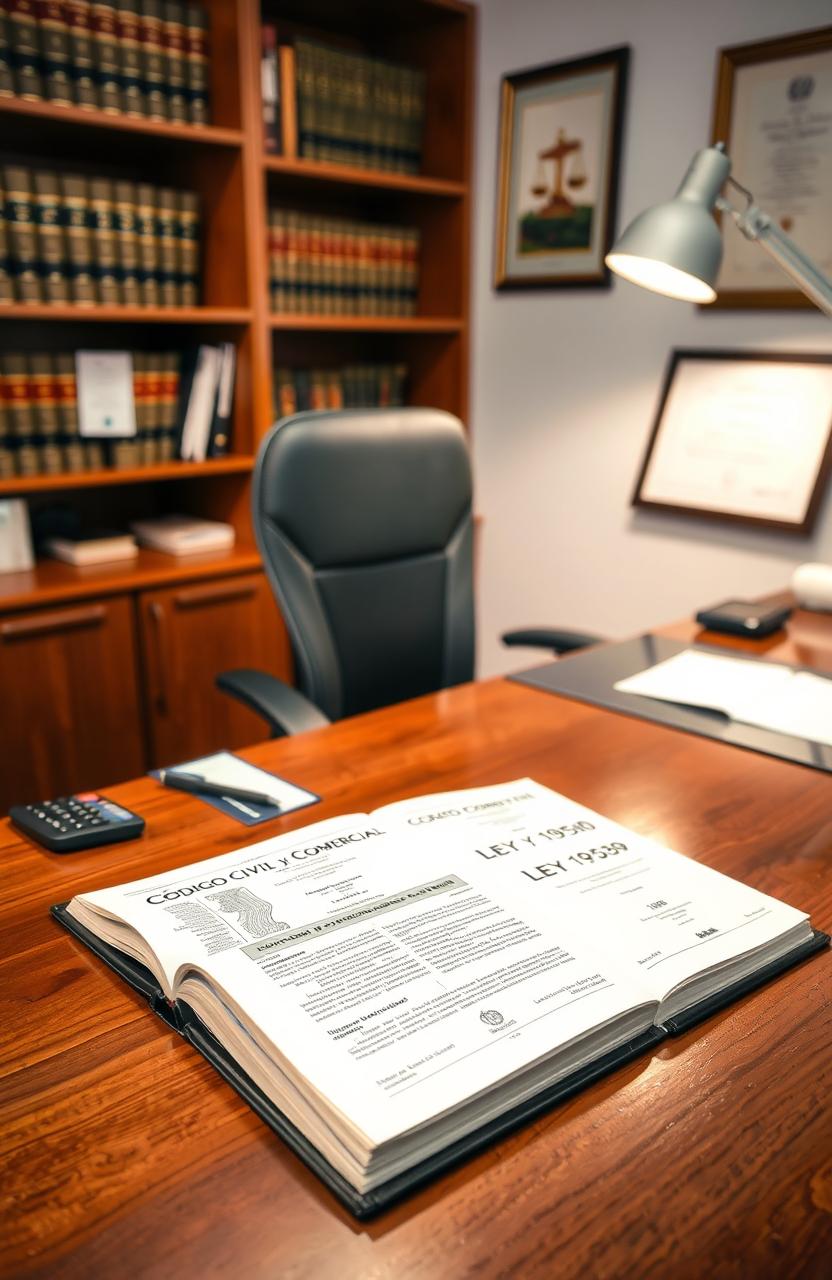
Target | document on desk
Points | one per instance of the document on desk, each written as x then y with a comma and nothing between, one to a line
396,982
764,694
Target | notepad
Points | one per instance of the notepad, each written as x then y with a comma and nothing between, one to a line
764,694
229,770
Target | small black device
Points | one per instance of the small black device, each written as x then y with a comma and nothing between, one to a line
744,618
76,822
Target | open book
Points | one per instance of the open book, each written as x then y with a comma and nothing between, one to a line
392,991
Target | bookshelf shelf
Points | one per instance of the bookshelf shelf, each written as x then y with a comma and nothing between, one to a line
107,476
367,324
126,315
317,173
51,581
39,117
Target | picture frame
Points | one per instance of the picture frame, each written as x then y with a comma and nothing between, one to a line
741,436
768,95
561,128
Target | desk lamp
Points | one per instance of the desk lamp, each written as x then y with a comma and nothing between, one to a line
675,248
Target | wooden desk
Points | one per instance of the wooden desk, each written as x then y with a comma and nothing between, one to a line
124,1154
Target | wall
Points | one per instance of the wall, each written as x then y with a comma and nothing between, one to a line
565,382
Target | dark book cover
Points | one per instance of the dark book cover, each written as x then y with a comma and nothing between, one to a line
54,44
173,39
128,29
82,61
22,233
196,63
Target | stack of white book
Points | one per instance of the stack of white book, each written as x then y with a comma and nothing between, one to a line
98,546
183,535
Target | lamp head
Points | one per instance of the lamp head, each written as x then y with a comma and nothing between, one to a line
675,248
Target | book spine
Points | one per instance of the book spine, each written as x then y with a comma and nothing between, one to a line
105,241
173,37
197,64
147,245
54,44
153,60
20,413
24,41
76,221
67,397
188,246
7,293
285,399
305,98
106,55
82,60
52,253
7,460
141,361
168,239
7,89
20,218
127,247
45,403
270,87
128,25
166,436
287,94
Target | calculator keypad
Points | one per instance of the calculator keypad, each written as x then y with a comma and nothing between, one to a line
77,822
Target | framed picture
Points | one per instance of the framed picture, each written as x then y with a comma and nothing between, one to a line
773,111
557,187
741,436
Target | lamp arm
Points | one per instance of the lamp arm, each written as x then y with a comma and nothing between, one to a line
757,226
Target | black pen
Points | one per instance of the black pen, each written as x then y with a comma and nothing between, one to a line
198,785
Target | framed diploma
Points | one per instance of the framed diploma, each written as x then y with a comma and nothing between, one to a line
773,110
741,436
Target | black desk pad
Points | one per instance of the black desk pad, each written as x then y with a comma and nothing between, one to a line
590,676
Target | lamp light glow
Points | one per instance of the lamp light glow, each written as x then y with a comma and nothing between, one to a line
660,277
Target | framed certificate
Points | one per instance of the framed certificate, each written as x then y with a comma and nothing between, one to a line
773,110
741,436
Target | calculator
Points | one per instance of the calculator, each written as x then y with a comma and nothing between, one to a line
76,822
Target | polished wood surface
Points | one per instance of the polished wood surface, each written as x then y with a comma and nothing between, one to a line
125,1154
68,689
191,633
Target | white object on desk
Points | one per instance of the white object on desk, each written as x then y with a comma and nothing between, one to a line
106,406
227,770
15,538
760,693
183,535
812,585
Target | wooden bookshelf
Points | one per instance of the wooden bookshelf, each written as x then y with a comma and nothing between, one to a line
104,477
227,164
44,119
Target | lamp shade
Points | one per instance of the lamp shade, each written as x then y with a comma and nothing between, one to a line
675,248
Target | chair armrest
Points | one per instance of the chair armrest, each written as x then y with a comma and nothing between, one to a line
560,640
284,709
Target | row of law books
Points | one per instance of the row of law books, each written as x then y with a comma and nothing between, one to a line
66,238
146,58
351,386
42,428
340,106
339,267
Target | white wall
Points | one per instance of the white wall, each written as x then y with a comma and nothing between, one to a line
565,383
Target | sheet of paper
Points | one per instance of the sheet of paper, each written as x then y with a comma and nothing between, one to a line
106,406
760,693
229,770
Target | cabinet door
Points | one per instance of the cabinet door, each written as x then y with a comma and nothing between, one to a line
70,707
189,635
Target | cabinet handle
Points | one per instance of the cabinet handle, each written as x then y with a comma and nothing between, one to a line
46,623
214,594
157,614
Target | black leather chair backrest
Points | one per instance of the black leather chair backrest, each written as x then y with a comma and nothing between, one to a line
363,519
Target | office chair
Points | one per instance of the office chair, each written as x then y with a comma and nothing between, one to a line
364,522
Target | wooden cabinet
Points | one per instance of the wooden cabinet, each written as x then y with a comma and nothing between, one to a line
188,635
70,699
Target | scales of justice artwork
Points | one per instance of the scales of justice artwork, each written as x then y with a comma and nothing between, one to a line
560,139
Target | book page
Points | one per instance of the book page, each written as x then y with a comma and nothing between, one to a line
760,693
393,984
660,916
